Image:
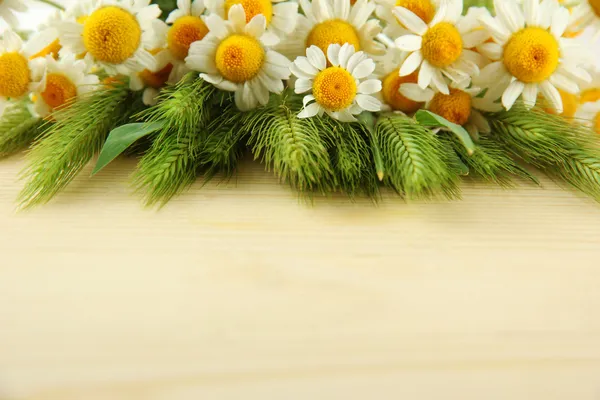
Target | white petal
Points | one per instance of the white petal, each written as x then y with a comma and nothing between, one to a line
411,64
316,57
369,86
302,86
364,69
410,20
552,95
368,103
530,93
531,10
256,27
237,17
305,66
310,111
409,42
493,51
512,93
425,74
412,91
345,53
475,38
564,83
333,52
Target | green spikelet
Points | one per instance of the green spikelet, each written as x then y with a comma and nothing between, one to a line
18,129
491,162
563,149
68,145
170,165
295,148
416,162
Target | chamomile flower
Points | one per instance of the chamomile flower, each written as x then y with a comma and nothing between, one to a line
589,115
8,8
281,15
19,74
388,67
327,22
65,79
461,105
441,48
151,82
233,58
114,36
187,26
424,9
336,83
530,54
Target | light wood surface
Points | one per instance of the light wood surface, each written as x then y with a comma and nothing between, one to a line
240,291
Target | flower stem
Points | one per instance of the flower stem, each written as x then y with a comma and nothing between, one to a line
53,4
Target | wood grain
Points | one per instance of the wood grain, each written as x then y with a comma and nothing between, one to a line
240,291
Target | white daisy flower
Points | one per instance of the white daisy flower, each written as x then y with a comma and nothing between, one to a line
424,9
442,47
340,89
461,106
187,26
19,74
387,71
589,115
233,58
281,15
586,14
115,35
8,8
64,80
151,82
530,53
327,22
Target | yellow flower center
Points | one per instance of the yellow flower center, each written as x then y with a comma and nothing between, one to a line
185,31
391,92
111,34
334,88
332,32
595,4
252,8
52,49
531,55
455,107
597,123
590,96
59,90
158,79
570,103
424,9
239,58
442,45
14,75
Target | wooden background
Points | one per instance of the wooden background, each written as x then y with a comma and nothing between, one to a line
240,291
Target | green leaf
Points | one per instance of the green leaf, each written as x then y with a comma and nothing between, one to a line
121,138
427,118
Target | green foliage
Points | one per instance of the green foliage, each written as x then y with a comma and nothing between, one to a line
416,162
491,162
564,150
18,128
489,4
170,165
166,6
119,139
296,149
68,145
427,118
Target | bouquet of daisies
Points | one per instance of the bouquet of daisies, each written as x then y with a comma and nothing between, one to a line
344,96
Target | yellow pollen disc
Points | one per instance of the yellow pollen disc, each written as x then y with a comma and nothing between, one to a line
455,107
590,96
59,90
531,55
331,32
442,45
334,88
111,34
252,8
239,58
185,31
570,104
158,79
52,49
424,9
14,75
392,96
595,4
